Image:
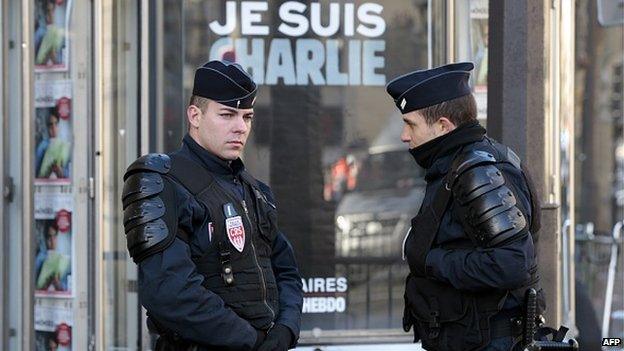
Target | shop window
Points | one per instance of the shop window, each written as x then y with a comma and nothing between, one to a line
345,185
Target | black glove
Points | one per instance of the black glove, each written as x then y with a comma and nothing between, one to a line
278,339
261,335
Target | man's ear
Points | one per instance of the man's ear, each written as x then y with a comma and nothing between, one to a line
193,114
445,125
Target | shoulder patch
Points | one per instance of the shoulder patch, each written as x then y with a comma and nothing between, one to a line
153,162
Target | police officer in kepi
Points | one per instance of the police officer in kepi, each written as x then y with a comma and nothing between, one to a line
471,248
215,272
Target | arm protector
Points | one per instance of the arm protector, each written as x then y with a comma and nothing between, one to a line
145,211
486,206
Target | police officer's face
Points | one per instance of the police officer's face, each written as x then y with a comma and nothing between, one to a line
222,130
416,130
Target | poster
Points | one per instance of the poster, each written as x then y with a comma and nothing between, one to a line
54,241
53,137
295,49
51,35
53,326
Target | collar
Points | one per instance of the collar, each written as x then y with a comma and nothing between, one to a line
436,155
439,167
212,162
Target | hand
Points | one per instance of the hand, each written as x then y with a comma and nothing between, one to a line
278,339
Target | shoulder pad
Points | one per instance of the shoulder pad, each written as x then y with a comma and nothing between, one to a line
141,185
147,239
475,182
159,163
144,200
143,211
470,159
487,206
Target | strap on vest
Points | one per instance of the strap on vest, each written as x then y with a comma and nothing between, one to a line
196,182
437,209
249,179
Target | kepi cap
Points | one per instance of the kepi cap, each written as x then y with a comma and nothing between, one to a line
225,82
420,89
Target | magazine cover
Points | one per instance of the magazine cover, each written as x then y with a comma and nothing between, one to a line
53,326
51,39
54,242
53,137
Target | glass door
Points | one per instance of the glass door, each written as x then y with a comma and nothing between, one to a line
17,262
117,136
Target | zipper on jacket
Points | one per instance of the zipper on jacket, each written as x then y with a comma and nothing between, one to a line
262,279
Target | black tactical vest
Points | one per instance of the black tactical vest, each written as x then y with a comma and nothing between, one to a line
237,270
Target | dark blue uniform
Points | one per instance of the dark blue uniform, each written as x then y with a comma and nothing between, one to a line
170,286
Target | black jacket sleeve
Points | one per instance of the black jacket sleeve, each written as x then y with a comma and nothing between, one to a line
289,286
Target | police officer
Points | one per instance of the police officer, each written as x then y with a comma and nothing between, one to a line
215,272
470,249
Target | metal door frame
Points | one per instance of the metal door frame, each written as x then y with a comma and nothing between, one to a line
3,181
16,299
27,254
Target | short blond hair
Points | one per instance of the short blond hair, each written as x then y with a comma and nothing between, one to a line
199,101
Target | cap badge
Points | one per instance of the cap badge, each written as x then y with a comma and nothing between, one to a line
403,103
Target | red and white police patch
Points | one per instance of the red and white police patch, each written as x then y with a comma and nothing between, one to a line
236,232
